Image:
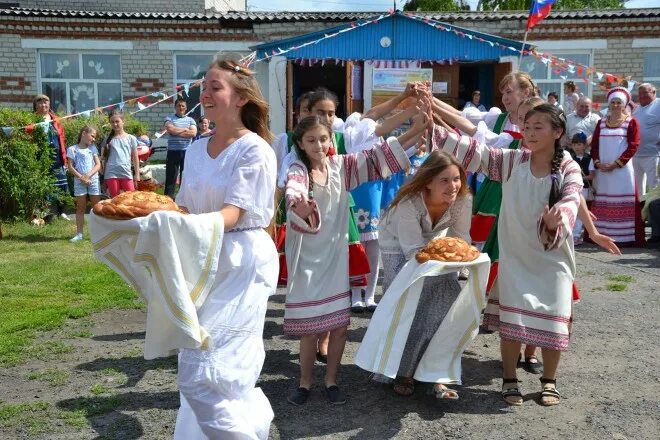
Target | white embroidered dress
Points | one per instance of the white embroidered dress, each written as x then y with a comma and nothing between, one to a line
218,397
530,301
318,292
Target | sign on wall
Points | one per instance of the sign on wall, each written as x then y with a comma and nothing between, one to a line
395,80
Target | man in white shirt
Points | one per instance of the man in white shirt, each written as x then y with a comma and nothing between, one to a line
582,120
645,161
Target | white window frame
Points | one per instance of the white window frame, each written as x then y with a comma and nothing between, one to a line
560,55
651,79
177,81
67,81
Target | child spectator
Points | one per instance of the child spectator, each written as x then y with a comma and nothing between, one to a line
119,152
578,147
83,162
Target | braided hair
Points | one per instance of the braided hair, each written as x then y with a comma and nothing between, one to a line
557,122
303,127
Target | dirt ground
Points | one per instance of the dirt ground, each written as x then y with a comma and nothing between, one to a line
88,380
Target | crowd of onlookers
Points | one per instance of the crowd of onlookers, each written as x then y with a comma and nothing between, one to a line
640,139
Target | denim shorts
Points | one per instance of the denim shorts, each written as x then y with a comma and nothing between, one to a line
80,189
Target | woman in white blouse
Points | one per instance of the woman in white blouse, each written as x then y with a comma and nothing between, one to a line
436,202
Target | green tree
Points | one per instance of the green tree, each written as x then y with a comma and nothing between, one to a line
508,5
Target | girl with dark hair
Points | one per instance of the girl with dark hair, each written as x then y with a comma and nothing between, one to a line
531,299
317,198
360,132
436,202
232,172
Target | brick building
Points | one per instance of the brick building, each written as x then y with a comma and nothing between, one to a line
87,56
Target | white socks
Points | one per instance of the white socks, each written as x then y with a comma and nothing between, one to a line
373,252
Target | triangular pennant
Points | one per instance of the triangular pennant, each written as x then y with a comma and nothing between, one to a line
8,131
141,106
121,105
631,85
599,75
186,88
159,134
87,113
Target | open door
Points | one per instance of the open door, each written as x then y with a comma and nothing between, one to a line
501,70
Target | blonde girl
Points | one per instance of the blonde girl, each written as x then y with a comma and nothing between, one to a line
84,164
119,154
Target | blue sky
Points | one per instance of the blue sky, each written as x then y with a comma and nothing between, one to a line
365,5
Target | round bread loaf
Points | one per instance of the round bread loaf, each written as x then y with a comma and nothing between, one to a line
134,204
449,249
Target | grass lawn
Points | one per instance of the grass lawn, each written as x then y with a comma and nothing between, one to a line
45,279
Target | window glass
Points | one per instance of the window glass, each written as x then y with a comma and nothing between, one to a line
97,66
652,65
64,66
191,67
57,94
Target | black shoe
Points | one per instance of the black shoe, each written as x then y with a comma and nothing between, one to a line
322,358
335,396
358,307
532,367
298,397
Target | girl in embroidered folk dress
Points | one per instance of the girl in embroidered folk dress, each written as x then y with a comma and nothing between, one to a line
318,292
233,172
436,202
614,143
530,301
361,132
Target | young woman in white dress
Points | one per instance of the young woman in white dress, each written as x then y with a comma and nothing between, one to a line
232,172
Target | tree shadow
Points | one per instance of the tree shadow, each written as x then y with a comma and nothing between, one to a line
134,367
120,336
104,413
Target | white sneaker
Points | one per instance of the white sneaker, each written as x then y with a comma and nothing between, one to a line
76,238
63,216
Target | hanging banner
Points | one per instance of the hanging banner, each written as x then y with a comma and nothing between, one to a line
395,80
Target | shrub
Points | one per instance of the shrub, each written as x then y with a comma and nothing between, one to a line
25,161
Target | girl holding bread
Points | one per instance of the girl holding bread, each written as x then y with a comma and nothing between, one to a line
233,172
436,202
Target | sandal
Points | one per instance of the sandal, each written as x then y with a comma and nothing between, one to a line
442,392
549,395
511,393
404,386
532,365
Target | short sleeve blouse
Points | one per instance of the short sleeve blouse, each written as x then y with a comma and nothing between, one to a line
242,175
